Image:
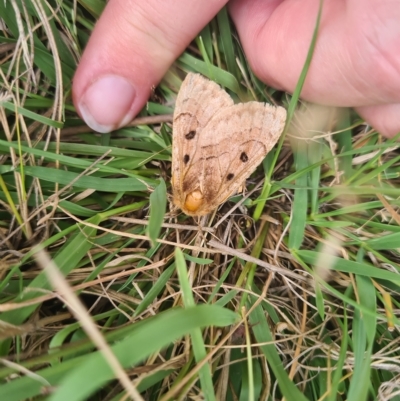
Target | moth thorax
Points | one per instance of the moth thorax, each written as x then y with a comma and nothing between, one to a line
193,201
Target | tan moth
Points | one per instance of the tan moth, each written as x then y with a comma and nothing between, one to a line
217,144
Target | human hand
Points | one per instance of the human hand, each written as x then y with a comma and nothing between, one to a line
356,62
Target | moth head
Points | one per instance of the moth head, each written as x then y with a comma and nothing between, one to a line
193,202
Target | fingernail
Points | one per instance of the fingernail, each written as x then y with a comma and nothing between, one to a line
107,103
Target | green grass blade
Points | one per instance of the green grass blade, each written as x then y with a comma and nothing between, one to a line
350,266
220,76
77,379
296,236
263,335
226,37
199,349
66,259
30,114
158,206
300,202
156,289
338,369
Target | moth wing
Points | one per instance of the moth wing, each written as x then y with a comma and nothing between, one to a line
233,144
199,99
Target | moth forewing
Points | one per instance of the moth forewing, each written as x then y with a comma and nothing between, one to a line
234,143
197,101
217,145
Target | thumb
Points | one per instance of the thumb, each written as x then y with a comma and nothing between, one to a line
130,49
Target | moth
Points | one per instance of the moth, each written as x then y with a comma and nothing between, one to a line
217,144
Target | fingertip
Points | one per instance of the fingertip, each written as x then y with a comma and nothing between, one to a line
384,118
264,28
108,103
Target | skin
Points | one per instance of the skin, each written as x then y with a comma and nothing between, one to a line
356,61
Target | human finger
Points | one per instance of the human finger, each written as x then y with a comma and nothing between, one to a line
130,49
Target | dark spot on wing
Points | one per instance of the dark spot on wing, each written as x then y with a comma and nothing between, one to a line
244,157
230,176
190,135
186,159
